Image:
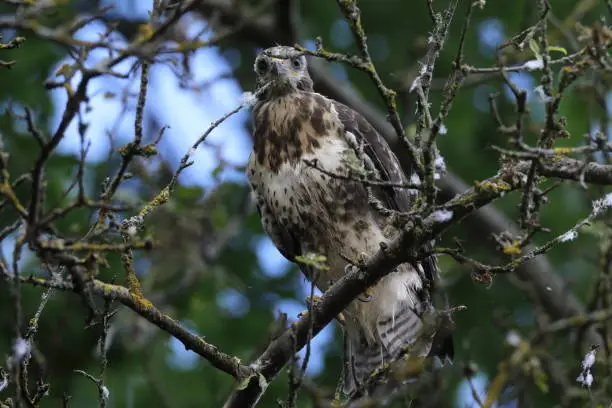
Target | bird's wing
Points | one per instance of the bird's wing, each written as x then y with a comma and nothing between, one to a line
378,152
286,242
376,148
282,238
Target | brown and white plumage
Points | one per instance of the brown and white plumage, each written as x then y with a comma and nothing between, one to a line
305,210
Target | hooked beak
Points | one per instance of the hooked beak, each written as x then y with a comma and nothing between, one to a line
278,67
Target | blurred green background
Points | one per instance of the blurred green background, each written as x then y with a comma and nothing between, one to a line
214,270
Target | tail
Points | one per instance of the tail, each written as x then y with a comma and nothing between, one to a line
396,335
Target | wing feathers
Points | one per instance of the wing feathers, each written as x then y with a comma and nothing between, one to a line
388,168
379,152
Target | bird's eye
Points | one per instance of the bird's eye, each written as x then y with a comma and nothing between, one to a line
296,63
262,65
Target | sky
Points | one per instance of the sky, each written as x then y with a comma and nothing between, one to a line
189,114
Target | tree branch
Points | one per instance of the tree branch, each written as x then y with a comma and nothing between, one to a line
143,307
577,170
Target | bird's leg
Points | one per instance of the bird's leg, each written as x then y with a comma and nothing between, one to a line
340,318
362,258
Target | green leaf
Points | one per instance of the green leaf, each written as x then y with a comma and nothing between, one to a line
315,260
557,49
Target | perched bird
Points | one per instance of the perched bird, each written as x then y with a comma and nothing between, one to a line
307,152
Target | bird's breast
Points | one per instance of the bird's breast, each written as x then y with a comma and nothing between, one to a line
289,127
319,178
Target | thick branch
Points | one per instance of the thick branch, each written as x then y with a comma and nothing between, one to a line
142,306
572,169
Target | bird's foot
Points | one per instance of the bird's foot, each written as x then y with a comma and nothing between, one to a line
362,258
340,318
349,268
367,296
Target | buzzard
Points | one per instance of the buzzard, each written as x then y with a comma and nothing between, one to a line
307,150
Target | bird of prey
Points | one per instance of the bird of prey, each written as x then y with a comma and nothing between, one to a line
307,152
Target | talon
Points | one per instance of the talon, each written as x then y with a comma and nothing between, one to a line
368,296
362,258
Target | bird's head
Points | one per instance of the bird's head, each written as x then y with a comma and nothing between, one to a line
282,70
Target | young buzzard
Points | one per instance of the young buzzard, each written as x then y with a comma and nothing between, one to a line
307,151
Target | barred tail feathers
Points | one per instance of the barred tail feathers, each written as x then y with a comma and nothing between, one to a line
363,357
